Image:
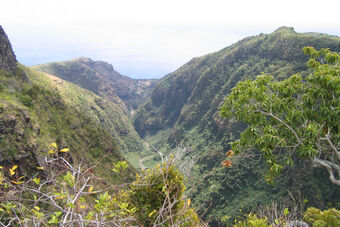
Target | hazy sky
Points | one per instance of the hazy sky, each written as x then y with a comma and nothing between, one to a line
150,38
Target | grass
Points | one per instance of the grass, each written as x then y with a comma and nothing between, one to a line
105,113
47,109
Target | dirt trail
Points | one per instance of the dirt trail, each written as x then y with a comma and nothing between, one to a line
146,157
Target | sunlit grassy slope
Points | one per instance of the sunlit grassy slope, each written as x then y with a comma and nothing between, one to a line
46,109
106,113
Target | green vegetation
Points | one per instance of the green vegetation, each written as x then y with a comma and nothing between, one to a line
293,118
117,97
182,117
157,196
253,221
100,78
67,195
181,120
318,218
34,111
313,216
105,113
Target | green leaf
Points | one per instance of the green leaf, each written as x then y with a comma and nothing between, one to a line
286,211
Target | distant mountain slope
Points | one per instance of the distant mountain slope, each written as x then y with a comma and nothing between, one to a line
183,112
100,78
199,86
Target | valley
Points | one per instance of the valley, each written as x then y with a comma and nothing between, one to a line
183,112
98,113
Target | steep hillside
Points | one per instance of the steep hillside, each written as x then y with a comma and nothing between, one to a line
100,78
37,110
183,113
104,112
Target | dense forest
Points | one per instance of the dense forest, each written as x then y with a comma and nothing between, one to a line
245,136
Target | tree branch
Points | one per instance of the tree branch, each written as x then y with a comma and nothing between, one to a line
329,166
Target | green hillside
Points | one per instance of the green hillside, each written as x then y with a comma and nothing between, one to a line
35,113
87,106
62,159
104,112
182,117
38,109
100,78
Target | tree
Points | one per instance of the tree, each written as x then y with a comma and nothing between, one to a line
294,118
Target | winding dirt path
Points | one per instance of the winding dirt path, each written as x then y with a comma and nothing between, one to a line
150,156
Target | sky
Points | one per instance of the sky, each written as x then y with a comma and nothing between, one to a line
151,38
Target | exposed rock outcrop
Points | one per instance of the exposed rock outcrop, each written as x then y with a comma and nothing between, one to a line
8,61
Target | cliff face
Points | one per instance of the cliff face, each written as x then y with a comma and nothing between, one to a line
8,61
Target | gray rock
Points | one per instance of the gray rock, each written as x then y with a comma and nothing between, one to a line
8,61
297,224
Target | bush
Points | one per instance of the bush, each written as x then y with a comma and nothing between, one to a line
318,218
26,100
157,196
253,221
59,194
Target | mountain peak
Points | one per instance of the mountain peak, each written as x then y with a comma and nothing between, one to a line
83,59
285,29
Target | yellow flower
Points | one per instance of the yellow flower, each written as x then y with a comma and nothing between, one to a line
54,145
40,167
154,211
65,150
51,152
12,170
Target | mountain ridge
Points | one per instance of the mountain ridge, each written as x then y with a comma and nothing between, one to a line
101,78
182,118
236,52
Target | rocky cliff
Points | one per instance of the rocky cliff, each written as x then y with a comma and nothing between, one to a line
8,61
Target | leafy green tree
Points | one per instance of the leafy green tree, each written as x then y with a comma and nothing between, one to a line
295,118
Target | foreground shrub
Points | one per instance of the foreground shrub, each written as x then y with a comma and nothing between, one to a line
61,195
253,221
157,196
318,218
